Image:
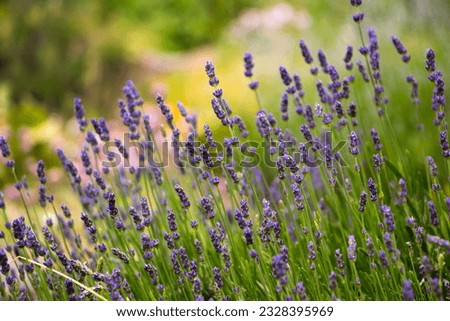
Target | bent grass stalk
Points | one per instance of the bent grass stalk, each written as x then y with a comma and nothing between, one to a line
81,285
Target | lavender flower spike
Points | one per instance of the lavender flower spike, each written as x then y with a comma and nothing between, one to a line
4,148
401,49
355,3
185,203
433,214
354,143
372,189
79,114
305,52
430,63
248,60
210,72
351,249
408,292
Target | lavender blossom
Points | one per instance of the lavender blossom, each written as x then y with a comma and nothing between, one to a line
340,261
383,259
445,147
433,167
185,203
433,214
408,292
323,61
355,3
279,266
351,249
19,228
372,189
165,111
348,57
207,206
332,277
354,143
363,71
362,202
4,266
287,80
358,17
4,148
218,281
401,49
430,61
248,60
220,112
305,52
248,235
388,218
403,192
112,208
101,128
80,114
210,72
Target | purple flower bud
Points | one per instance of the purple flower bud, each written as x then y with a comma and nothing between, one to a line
355,3
219,111
339,261
248,64
354,143
248,235
41,172
311,251
323,61
262,123
430,63
253,85
279,266
215,240
19,228
372,189
362,71
383,259
433,167
408,292
358,17
4,148
79,114
305,52
444,143
185,203
165,110
112,208
101,128
285,76
218,281
210,72
171,220
121,255
207,206
351,249
362,201
388,218
401,49
433,214
332,284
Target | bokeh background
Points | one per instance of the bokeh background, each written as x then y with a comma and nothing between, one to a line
54,50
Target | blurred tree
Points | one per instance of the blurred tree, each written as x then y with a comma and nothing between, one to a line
42,51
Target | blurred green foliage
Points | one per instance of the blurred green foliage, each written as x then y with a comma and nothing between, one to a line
52,51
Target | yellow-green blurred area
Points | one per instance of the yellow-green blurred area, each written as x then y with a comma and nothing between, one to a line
53,51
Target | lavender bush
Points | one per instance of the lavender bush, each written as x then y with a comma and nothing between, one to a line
323,206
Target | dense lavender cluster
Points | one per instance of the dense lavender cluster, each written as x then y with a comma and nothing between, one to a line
357,220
